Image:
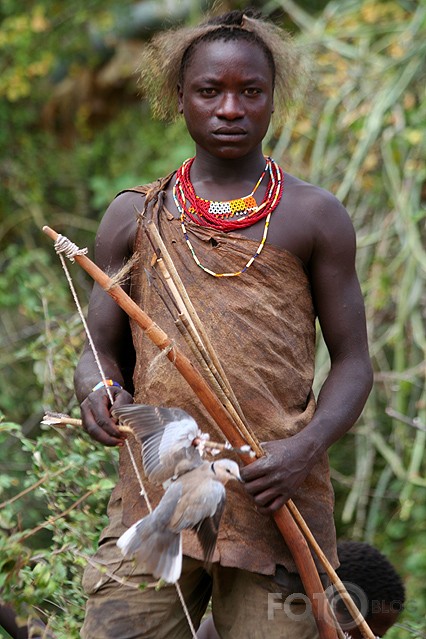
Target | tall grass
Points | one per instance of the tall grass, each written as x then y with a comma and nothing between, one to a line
363,136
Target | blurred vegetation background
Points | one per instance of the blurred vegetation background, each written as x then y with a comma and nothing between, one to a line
74,130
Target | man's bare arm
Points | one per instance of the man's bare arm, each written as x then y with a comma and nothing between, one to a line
340,308
109,327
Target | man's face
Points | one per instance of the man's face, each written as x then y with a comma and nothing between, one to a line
227,97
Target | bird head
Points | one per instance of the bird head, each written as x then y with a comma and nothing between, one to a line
226,469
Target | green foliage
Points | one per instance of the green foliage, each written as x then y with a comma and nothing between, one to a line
62,160
46,534
363,138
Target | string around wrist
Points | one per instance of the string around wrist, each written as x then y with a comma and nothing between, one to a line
106,382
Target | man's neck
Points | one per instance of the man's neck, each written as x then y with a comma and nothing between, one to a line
208,169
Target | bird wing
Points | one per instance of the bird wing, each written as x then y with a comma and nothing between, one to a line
200,507
166,436
208,529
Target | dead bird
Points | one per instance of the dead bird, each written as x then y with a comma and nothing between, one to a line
194,499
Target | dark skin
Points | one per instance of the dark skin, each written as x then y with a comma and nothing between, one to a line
226,99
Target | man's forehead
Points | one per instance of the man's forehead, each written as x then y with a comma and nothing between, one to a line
213,57
245,76
216,49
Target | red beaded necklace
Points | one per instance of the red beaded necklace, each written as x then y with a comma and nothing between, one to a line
232,214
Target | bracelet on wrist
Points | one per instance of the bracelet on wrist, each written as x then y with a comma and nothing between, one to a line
104,383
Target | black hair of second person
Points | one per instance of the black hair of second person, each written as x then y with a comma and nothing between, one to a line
166,56
370,570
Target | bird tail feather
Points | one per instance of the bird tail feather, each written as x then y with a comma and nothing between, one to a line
131,540
159,551
169,564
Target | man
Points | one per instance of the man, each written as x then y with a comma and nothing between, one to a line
262,254
372,582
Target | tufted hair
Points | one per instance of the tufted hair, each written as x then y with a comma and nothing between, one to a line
167,56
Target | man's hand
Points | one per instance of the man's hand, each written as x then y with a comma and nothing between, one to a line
273,479
96,415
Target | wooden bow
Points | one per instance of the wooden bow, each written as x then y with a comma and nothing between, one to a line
287,518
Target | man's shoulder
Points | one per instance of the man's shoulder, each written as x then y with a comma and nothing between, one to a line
309,193
317,208
118,225
132,198
309,218
149,189
127,200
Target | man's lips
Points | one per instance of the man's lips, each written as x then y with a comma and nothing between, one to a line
230,131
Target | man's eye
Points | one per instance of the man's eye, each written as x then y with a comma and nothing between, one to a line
208,91
252,91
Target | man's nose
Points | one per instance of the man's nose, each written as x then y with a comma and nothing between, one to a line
230,106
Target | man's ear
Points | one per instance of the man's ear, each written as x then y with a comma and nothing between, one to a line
179,91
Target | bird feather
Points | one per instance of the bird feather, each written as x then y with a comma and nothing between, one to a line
166,436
